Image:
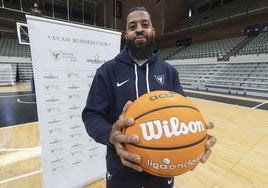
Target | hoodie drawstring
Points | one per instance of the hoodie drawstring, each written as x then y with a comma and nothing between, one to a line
136,79
147,77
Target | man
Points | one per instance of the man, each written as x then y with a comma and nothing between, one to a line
133,72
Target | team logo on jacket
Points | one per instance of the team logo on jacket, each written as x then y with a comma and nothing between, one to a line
160,79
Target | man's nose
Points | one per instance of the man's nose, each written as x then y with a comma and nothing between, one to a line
139,28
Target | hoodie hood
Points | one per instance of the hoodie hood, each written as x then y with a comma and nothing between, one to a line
124,57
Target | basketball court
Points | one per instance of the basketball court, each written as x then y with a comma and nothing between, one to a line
238,159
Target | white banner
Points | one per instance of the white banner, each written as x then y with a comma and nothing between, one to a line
65,57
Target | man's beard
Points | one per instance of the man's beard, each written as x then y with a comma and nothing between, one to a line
143,51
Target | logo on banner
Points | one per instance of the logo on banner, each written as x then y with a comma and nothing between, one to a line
56,55
96,59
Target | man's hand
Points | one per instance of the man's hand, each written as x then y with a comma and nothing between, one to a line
117,139
210,142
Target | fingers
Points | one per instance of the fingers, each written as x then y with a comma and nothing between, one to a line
122,123
205,156
210,125
129,159
125,139
210,143
116,134
128,103
132,164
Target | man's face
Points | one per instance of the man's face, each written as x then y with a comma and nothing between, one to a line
140,34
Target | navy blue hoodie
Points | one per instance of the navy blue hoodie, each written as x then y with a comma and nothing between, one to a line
116,82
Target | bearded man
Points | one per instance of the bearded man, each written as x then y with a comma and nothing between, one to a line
136,70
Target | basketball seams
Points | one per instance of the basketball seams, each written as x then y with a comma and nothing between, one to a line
164,107
171,148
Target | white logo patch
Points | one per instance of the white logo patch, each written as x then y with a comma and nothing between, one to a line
160,79
170,180
122,83
108,175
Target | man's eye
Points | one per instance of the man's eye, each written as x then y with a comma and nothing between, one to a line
145,25
132,27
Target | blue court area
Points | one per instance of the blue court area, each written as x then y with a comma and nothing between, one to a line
17,108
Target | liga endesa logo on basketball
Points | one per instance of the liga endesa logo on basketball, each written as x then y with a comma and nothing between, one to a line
172,133
167,165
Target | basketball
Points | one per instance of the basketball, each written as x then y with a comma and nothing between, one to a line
172,133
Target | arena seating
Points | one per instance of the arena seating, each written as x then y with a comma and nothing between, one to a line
257,45
249,79
246,78
12,15
232,9
217,48
242,78
10,48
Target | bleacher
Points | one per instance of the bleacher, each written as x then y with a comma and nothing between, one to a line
258,45
217,48
201,65
249,79
226,11
12,15
11,52
11,48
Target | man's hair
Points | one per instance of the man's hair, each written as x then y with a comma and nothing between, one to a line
138,8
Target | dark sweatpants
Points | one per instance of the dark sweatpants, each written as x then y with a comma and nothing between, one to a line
116,181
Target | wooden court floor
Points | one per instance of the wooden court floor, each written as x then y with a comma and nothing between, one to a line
239,159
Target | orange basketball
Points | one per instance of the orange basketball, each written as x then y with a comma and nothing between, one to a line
172,133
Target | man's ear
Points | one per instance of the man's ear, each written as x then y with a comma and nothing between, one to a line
125,34
154,31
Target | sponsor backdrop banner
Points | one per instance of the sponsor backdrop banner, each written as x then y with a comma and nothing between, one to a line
65,57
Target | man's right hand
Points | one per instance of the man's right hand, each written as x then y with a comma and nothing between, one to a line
128,159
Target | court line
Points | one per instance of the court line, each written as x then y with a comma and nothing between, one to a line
24,102
21,176
259,105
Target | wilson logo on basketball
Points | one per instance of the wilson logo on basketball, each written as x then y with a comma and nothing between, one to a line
156,129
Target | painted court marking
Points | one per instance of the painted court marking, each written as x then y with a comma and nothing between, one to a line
21,176
257,106
24,102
